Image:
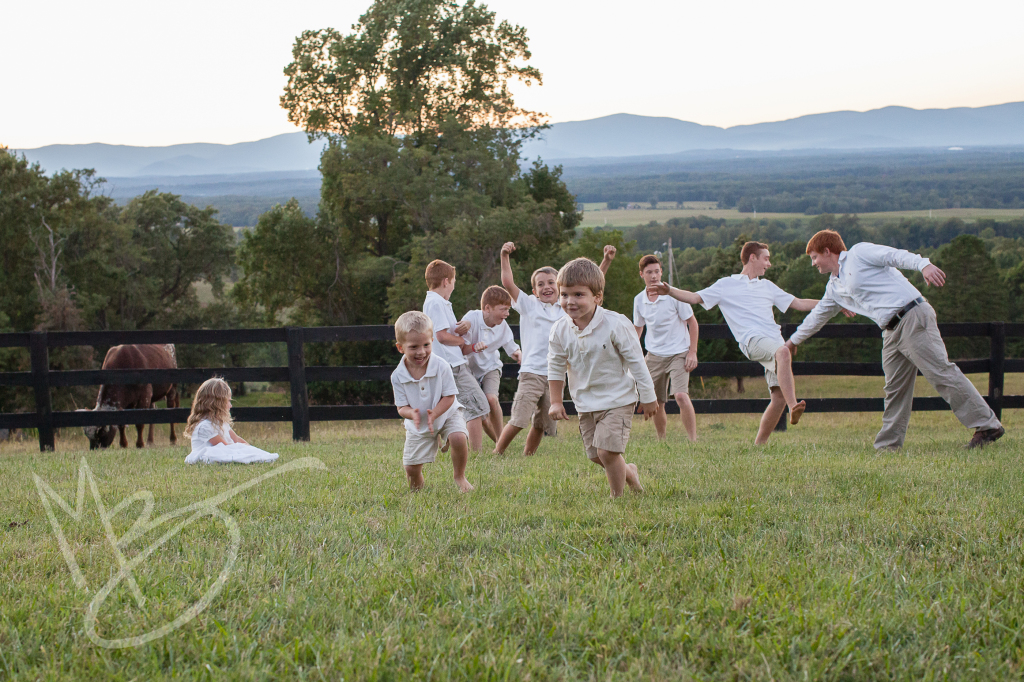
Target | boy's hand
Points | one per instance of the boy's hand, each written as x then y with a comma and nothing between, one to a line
609,252
479,347
660,289
462,328
792,348
849,313
507,248
557,412
416,419
691,361
649,409
430,420
518,356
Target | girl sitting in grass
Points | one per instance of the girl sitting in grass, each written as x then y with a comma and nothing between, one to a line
213,440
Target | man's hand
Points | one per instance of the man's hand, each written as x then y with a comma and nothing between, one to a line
649,409
792,348
660,289
518,356
609,252
462,328
691,361
479,347
430,420
557,412
507,248
933,276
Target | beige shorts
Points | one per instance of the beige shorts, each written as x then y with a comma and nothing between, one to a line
606,430
762,349
471,396
421,448
490,382
531,404
662,369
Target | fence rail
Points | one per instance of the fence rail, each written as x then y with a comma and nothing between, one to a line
298,375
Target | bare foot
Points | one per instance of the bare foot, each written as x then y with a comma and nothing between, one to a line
797,412
635,483
464,485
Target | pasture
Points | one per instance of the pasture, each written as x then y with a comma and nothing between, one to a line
595,215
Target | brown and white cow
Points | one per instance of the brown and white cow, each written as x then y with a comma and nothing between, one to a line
134,396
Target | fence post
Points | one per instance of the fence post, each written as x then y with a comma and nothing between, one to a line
41,385
297,379
997,358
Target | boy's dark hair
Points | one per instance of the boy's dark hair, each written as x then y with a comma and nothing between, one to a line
649,259
751,249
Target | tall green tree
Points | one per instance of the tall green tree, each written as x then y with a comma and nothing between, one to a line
973,291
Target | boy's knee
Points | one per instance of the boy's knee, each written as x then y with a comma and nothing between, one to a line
682,398
492,400
783,355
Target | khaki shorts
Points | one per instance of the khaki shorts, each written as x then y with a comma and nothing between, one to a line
762,349
421,448
490,382
471,396
531,404
606,430
662,369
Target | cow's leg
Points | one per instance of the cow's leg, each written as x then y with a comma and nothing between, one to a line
140,428
124,437
173,400
145,404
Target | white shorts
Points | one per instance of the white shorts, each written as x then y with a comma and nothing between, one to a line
421,448
763,349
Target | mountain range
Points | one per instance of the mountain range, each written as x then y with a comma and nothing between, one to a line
616,136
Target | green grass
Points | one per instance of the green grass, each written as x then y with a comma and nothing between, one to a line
812,558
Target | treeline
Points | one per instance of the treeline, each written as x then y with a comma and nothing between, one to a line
990,180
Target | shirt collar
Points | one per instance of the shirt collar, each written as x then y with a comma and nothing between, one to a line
405,377
749,279
842,262
439,296
594,322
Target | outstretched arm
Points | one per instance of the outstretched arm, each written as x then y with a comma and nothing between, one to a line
663,289
507,280
803,304
606,261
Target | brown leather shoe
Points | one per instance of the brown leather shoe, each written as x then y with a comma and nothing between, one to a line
981,438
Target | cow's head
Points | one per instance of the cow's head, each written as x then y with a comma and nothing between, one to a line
99,436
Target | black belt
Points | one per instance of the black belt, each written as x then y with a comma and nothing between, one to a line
902,312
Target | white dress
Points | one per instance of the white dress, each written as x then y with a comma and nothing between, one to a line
222,453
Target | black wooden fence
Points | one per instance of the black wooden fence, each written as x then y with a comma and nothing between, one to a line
300,413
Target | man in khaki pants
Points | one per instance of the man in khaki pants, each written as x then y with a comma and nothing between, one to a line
865,279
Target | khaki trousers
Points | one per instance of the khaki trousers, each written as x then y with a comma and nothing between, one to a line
915,344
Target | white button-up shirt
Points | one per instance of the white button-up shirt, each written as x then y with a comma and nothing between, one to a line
425,393
498,336
868,284
747,306
605,362
439,310
665,319
535,320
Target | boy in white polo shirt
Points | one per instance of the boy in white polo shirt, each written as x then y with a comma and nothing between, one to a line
450,338
671,346
537,313
746,301
425,396
488,331
602,354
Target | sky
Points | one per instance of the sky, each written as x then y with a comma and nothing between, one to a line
160,73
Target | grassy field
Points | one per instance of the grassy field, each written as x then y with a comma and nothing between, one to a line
595,215
811,558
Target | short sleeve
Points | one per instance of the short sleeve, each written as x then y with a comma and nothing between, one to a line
448,387
711,296
685,310
781,299
399,388
433,310
638,317
523,304
206,430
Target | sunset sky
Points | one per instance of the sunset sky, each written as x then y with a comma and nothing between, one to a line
164,73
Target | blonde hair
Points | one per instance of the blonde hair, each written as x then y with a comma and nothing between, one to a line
547,270
413,321
582,272
437,272
211,402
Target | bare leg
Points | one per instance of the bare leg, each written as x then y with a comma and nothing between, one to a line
771,416
414,472
661,421
784,369
460,456
496,420
533,440
476,433
488,426
687,415
508,434
618,472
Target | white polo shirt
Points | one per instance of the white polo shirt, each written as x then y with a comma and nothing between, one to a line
498,336
665,319
535,320
747,306
869,283
424,394
439,310
605,362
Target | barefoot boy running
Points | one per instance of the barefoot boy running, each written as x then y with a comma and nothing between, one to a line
601,352
746,301
425,396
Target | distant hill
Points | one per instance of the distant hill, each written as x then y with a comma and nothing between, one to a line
619,135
